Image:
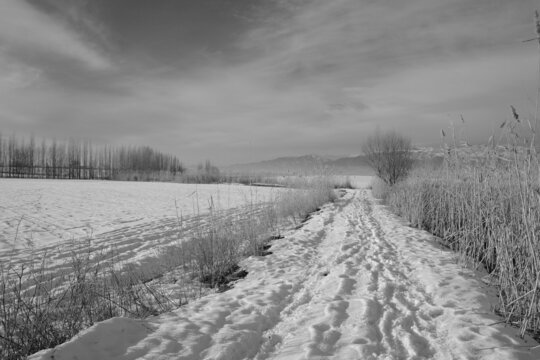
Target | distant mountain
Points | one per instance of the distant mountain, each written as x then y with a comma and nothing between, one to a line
305,165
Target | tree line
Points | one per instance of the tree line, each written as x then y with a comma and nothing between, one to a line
80,159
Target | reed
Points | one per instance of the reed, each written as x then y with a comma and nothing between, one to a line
485,204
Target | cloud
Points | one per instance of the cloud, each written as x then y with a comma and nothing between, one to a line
27,32
311,76
366,39
412,62
14,75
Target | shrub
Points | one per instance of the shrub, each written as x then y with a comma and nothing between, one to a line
389,155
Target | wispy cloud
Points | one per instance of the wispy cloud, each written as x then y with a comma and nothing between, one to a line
28,35
415,62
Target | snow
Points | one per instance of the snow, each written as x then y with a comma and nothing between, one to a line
353,283
54,217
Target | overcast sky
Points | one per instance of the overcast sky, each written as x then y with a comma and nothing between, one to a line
245,80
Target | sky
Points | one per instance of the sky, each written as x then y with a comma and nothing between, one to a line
236,81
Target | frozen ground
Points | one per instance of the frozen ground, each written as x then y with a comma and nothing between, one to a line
353,283
51,216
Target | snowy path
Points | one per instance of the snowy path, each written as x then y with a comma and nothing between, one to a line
352,283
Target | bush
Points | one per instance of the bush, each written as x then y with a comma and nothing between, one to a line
389,155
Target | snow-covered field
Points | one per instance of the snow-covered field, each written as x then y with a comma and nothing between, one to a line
353,283
50,215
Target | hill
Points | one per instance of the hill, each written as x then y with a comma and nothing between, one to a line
307,164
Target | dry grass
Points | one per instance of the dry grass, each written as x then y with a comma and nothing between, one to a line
343,183
304,195
379,188
40,309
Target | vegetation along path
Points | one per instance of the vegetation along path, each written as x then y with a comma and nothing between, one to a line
353,283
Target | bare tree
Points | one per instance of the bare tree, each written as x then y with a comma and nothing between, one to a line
31,157
78,159
389,154
1,155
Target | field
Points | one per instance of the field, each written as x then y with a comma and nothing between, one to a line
43,215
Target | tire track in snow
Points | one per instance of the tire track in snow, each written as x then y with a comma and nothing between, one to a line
375,295
399,332
292,317
329,308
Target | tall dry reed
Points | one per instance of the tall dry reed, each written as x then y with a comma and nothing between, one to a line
485,204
